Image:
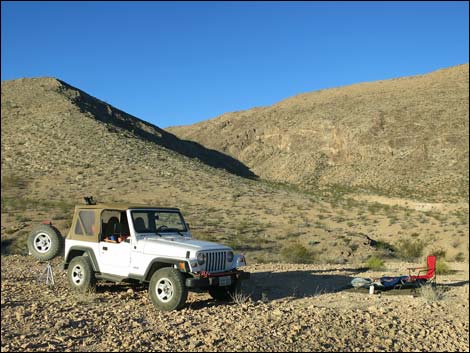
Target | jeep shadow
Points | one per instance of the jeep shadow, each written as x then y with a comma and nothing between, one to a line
298,284
269,286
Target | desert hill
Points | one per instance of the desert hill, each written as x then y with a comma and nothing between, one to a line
65,108
60,144
405,137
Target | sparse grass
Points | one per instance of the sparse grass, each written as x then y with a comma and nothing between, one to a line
13,181
19,204
247,242
21,218
240,298
87,298
432,294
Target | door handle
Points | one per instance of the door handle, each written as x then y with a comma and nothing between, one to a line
105,248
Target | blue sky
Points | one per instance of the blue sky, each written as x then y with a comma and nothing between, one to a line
176,63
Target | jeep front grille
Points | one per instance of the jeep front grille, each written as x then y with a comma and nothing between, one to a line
215,261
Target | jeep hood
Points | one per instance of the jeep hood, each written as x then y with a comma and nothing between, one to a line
178,245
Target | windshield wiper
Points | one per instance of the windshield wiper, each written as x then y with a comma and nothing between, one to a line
174,230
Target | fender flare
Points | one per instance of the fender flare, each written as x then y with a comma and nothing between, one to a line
164,263
83,251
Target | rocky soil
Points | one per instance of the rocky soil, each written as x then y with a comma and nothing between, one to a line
283,308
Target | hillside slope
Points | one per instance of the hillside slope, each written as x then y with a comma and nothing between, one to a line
55,109
60,144
405,137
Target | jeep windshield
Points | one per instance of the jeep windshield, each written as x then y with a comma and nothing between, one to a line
158,222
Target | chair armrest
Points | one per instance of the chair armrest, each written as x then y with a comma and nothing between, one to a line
416,268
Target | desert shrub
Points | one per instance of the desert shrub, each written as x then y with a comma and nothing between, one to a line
460,257
374,263
298,254
439,253
354,247
385,248
442,268
410,249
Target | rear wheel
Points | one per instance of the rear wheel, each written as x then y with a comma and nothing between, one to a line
80,275
45,242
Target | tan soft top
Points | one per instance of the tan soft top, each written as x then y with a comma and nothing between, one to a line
123,206
92,235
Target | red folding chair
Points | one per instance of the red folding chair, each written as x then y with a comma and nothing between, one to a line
421,275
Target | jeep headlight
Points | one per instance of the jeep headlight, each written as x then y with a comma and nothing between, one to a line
241,261
201,258
230,256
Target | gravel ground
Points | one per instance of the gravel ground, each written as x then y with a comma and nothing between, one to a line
284,308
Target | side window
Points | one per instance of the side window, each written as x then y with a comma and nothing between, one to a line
110,223
85,222
88,220
141,221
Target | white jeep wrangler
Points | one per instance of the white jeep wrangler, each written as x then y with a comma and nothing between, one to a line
136,243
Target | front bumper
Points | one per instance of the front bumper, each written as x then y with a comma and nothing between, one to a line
213,280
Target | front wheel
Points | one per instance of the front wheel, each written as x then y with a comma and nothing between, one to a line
167,289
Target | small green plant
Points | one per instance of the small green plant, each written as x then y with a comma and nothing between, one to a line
442,268
298,254
374,263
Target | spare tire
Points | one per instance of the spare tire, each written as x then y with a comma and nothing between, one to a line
45,242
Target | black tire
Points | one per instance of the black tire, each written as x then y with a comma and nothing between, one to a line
80,275
226,293
167,289
45,242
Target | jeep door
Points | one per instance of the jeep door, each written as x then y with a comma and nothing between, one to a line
114,256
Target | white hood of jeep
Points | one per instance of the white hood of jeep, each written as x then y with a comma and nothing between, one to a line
177,246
